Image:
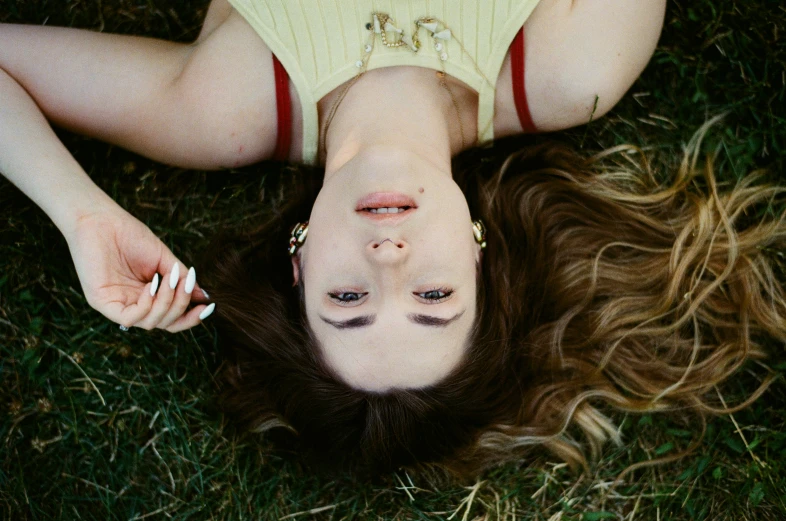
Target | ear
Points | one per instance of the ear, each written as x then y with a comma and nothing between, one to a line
295,269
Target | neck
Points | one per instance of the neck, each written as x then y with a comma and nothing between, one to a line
402,108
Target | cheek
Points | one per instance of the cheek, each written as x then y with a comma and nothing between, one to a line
328,259
454,237
328,236
330,222
328,248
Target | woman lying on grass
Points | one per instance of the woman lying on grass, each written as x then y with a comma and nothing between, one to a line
423,309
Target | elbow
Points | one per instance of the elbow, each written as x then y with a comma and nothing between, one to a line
587,97
600,96
573,107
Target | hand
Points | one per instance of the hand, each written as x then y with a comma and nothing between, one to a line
130,276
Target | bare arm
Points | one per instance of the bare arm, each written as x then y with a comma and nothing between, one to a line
34,159
580,50
206,105
154,97
116,256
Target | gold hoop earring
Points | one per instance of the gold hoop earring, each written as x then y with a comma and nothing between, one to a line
479,231
297,237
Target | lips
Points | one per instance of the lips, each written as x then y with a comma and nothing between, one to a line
386,207
385,200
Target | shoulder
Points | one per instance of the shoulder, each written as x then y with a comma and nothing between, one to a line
579,52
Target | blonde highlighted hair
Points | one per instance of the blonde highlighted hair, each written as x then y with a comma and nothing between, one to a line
601,286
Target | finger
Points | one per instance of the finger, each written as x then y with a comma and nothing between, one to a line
194,317
182,299
131,314
199,295
167,259
163,299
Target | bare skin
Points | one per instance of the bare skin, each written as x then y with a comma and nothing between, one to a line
211,105
424,265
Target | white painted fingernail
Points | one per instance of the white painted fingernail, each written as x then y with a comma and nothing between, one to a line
190,280
207,311
154,285
205,294
174,276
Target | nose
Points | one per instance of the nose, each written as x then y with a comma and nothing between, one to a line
388,251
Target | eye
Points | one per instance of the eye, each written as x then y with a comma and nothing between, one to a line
435,296
346,298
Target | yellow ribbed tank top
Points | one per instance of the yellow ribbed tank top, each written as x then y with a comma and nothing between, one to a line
322,44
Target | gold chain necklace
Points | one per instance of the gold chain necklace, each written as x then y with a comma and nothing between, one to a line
381,24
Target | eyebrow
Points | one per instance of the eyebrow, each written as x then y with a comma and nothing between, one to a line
352,323
415,318
427,320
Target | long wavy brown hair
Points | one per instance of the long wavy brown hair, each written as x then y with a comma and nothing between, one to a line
605,285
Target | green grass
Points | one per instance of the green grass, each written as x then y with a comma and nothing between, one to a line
99,424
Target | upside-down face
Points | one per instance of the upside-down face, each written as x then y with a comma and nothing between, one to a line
389,270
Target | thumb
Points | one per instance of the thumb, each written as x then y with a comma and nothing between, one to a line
167,261
169,267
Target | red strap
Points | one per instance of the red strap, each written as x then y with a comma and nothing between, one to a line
519,92
284,110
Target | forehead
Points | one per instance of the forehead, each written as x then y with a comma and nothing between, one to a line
393,352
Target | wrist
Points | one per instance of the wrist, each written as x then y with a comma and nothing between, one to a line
82,199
